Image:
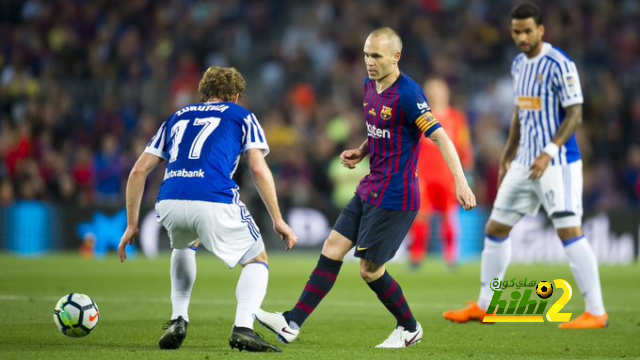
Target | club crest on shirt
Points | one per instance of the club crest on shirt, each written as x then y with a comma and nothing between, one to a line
385,113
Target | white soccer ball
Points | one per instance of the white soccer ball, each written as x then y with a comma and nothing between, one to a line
76,315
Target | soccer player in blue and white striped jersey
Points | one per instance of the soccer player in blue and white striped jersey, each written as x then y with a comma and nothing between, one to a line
540,166
198,200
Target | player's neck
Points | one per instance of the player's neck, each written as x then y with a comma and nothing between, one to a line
214,100
535,52
386,82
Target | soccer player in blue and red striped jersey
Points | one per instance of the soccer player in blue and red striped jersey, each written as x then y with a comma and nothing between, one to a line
378,217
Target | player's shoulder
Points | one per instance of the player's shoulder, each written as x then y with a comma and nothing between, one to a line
557,54
407,83
559,59
408,89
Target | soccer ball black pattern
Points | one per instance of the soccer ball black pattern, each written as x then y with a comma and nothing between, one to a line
76,315
544,289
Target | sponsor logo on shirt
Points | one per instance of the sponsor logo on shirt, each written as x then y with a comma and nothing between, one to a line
529,103
423,106
377,133
184,173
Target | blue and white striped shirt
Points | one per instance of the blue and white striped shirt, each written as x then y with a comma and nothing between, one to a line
202,144
544,86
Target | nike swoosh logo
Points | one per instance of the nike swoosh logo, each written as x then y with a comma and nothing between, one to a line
361,248
365,104
284,330
93,318
409,342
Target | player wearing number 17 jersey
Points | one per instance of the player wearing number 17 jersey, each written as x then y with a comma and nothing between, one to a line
378,217
198,199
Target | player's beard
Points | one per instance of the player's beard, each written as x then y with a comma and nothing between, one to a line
534,46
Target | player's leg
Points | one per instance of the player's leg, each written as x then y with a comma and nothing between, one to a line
450,234
183,276
584,267
408,331
287,325
447,206
182,271
420,231
250,292
322,278
561,191
419,235
381,234
515,198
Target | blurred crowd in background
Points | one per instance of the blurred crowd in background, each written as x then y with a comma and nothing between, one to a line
85,84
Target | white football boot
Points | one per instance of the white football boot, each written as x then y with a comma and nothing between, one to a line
276,322
400,338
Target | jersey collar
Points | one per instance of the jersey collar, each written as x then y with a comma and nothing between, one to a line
546,47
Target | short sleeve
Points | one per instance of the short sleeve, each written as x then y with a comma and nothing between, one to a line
253,136
158,144
567,83
417,111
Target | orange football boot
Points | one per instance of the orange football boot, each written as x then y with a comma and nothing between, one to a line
471,313
587,321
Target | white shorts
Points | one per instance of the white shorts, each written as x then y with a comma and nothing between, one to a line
227,230
559,190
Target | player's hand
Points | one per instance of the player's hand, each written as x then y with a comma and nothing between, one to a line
465,196
350,158
539,166
127,238
286,234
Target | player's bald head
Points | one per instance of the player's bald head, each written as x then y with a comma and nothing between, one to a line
389,35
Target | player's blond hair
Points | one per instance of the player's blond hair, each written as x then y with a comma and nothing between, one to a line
221,83
391,35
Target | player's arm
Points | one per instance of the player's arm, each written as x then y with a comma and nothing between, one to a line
135,188
263,180
511,147
351,157
570,124
464,194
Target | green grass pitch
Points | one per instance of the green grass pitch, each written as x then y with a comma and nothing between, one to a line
134,303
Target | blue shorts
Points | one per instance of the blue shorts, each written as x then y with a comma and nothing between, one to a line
376,232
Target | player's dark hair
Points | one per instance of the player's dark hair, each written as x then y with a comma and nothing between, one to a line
221,83
526,11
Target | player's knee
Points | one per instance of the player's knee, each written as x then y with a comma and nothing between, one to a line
569,233
336,246
567,223
370,272
367,275
497,230
261,258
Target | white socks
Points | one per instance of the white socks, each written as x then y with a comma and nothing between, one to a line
251,290
183,275
584,267
495,260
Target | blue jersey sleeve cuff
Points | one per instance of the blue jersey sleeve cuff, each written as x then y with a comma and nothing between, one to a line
156,152
433,128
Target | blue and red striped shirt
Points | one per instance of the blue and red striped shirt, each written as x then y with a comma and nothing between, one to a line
395,120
